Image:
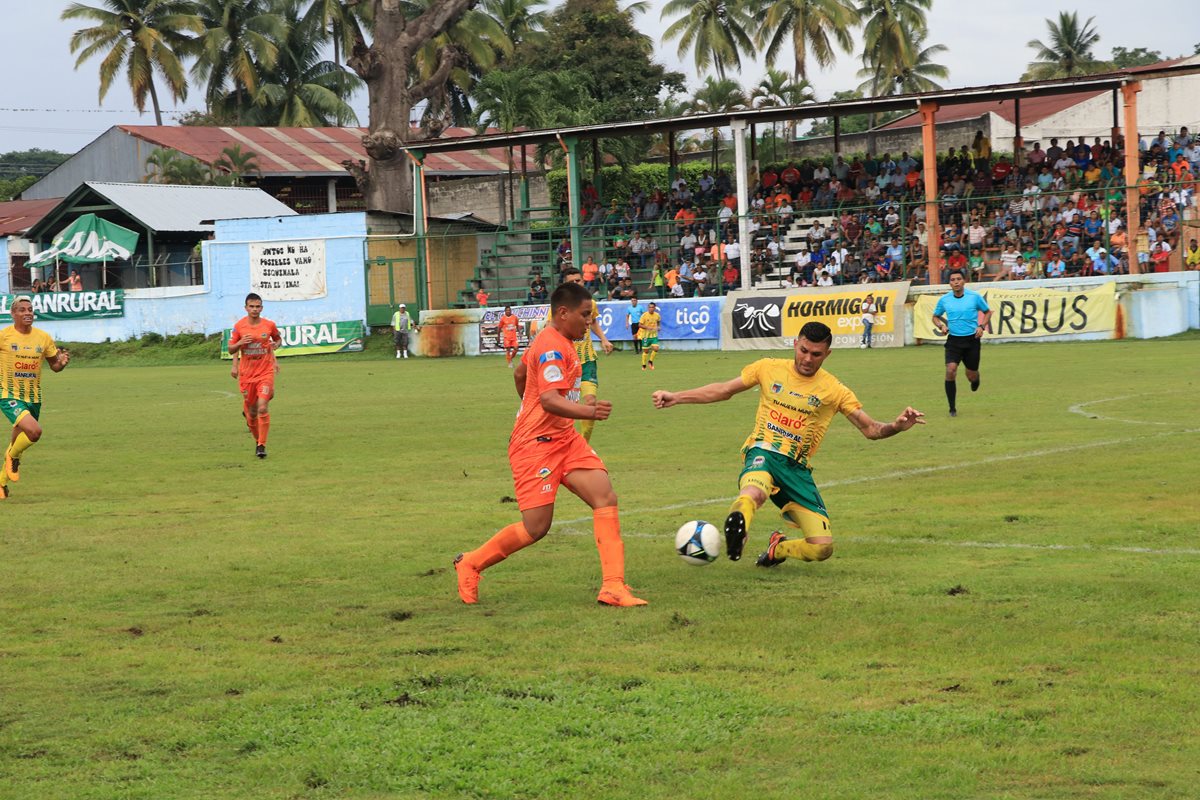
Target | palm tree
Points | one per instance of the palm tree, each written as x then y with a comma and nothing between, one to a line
907,78
521,20
241,38
503,100
716,31
718,94
890,30
1069,51
779,89
236,164
810,28
143,37
303,90
343,21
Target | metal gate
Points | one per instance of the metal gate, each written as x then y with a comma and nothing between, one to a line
391,281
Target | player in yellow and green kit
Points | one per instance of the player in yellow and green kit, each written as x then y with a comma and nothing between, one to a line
648,325
797,401
22,350
589,382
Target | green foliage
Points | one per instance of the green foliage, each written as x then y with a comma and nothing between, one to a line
619,183
212,626
172,167
1067,50
10,188
600,41
1134,57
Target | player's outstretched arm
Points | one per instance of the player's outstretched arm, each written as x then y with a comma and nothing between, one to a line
712,393
60,361
605,344
881,430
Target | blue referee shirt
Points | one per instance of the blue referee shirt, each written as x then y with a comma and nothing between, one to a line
961,313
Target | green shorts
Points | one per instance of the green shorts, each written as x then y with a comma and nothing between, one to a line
650,341
792,482
589,374
14,408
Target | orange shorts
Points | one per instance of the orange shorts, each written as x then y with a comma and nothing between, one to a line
256,388
510,341
538,468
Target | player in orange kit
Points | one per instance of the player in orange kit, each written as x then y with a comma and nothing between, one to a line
545,451
254,339
508,334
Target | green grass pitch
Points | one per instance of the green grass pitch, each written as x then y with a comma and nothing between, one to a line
1011,611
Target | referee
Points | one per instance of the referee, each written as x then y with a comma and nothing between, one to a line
957,313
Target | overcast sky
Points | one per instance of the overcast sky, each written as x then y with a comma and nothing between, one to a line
47,103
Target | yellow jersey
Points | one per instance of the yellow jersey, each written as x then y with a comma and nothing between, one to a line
793,411
583,347
648,325
21,356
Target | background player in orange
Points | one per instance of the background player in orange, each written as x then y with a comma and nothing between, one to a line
545,451
254,339
508,334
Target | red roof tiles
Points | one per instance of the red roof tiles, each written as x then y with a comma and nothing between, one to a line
18,216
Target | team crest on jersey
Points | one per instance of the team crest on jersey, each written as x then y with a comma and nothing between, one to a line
37,350
544,472
814,401
776,388
758,461
550,355
552,373
15,347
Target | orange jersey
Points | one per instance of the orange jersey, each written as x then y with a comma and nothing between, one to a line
550,363
509,325
258,357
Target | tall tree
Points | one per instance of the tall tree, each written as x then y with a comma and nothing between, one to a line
718,94
919,74
780,89
302,89
1067,51
716,31
1134,57
394,87
521,20
142,37
343,20
806,28
891,31
240,39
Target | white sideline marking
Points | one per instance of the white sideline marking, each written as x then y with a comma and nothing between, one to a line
1078,408
907,473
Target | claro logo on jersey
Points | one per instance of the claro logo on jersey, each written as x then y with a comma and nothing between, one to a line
25,365
786,420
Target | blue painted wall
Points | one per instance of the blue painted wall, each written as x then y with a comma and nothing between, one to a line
219,303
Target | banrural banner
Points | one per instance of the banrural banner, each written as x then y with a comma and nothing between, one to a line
682,318
71,305
1029,313
763,320
288,270
317,337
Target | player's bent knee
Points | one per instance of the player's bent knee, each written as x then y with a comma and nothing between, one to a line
821,550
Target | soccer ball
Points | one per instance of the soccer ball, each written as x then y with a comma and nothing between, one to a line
698,543
862,347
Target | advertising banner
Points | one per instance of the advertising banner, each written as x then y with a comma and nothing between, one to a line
88,240
317,337
759,320
1029,313
531,317
288,270
71,305
686,318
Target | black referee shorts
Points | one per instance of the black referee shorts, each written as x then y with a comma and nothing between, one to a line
964,349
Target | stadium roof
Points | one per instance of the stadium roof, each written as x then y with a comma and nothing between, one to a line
310,151
164,208
18,216
945,99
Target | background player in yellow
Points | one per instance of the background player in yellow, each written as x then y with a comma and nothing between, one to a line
589,383
22,350
797,401
648,325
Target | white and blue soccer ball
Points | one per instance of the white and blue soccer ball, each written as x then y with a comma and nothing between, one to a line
698,542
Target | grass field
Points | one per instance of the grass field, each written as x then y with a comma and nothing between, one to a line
1012,610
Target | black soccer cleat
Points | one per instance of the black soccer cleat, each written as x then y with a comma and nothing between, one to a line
261,451
953,412
735,535
975,385
768,558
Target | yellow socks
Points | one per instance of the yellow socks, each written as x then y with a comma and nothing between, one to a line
813,526
19,445
745,505
586,426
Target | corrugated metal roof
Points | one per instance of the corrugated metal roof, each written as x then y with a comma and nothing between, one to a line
18,216
163,207
312,151
1033,109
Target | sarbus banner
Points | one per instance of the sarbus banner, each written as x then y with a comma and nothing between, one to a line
1029,313
317,337
764,320
71,305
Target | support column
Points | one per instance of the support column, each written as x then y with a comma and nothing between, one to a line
741,186
424,277
1116,118
570,144
929,156
670,159
597,177
1133,219
1018,141
331,195
524,182
837,136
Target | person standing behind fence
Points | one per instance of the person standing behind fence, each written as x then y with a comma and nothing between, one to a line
402,326
868,309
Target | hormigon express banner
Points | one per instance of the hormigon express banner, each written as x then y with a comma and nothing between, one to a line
763,320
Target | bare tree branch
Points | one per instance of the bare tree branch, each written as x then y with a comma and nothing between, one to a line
447,59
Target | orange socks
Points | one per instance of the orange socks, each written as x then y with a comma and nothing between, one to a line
263,425
608,542
508,541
